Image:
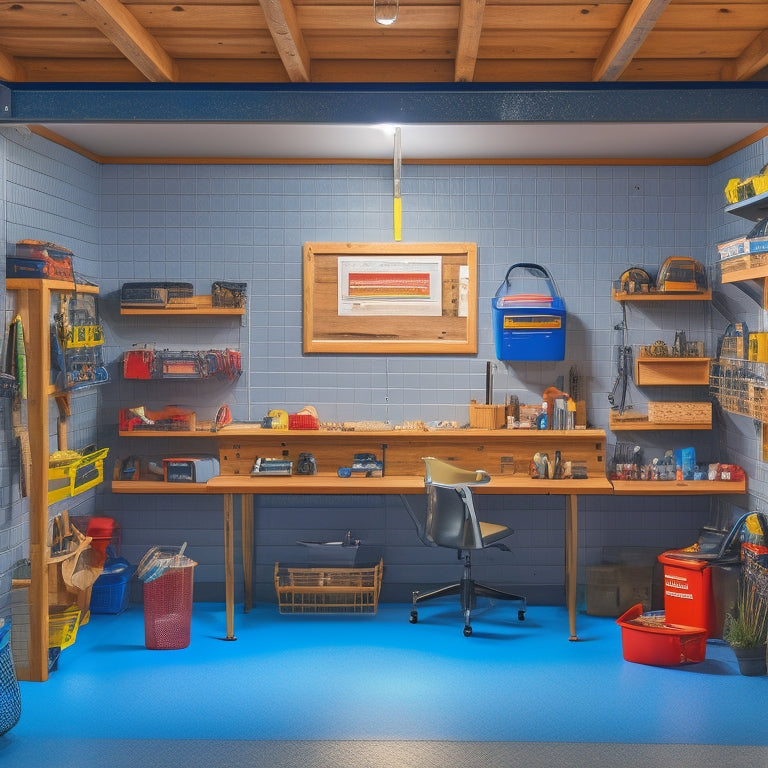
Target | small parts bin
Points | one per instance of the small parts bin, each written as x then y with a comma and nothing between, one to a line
648,638
168,577
529,326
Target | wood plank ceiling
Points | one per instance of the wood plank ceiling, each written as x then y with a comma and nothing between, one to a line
337,41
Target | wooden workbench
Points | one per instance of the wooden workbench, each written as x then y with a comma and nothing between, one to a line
402,450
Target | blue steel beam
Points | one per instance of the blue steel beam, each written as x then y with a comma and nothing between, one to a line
382,103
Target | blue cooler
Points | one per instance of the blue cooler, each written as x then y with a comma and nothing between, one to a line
529,326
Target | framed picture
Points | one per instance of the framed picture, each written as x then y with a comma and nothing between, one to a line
390,298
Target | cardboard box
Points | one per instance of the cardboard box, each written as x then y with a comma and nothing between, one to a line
614,589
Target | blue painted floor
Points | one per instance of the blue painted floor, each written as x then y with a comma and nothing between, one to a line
380,678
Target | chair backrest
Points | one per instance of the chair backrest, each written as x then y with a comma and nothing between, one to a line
450,517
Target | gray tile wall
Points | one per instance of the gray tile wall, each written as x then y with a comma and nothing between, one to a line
586,224
49,194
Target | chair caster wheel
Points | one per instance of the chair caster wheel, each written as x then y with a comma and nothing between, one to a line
414,617
467,631
521,615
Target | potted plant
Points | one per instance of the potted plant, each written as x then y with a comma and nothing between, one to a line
745,629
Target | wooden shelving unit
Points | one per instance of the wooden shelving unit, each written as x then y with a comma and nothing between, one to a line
753,209
33,301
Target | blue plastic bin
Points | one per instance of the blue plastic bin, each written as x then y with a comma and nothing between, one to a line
529,325
111,591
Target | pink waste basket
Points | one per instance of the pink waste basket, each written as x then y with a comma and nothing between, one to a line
168,609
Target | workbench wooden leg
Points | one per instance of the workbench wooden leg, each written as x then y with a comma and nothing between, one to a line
246,518
229,564
571,559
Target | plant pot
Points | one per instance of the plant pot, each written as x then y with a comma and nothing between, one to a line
752,661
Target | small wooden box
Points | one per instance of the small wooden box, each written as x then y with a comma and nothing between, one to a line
680,413
487,416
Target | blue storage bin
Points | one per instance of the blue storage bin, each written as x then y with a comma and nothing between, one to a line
111,593
529,326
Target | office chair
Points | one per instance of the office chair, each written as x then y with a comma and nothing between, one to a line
451,522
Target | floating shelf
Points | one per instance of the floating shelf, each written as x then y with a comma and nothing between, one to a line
671,371
194,305
698,296
643,425
750,273
754,209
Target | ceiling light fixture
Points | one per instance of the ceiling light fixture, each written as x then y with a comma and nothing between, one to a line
385,12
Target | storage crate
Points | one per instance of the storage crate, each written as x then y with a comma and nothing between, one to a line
679,413
328,590
487,416
63,623
613,589
75,476
111,591
649,639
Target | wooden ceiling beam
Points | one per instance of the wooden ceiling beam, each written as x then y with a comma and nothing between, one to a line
623,44
471,14
753,59
286,33
131,39
9,69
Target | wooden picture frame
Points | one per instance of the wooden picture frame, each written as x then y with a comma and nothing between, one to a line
390,298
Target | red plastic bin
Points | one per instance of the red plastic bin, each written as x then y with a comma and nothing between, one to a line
688,598
657,643
168,609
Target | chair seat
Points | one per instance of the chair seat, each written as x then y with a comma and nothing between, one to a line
492,532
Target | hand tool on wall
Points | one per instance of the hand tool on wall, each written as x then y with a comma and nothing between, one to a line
16,366
624,367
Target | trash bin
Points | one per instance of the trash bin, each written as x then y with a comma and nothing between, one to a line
10,695
689,596
168,577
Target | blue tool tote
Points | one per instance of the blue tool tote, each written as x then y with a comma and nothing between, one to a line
528,325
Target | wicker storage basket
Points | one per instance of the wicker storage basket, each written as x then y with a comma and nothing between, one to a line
328,590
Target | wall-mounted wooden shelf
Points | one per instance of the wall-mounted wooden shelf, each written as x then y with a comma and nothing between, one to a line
195,305
166,433
750,273
643,425
60,286
671,371
655,296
